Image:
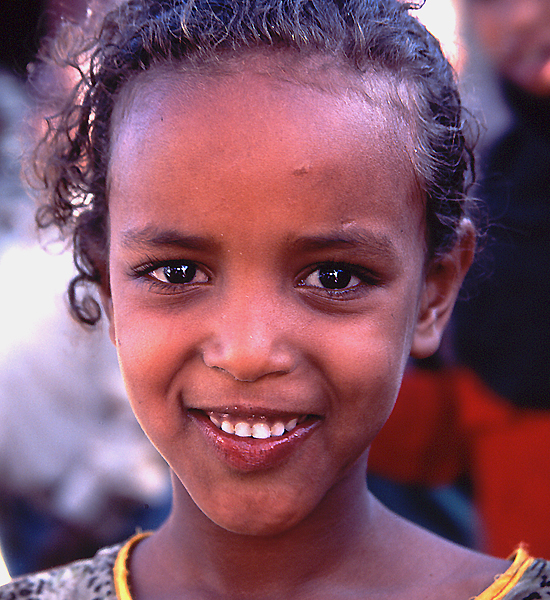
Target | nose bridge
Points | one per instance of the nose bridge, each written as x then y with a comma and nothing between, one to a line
250,335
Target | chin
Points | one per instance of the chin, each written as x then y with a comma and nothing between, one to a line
260,521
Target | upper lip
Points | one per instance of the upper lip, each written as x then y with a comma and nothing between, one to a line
248,412
260,401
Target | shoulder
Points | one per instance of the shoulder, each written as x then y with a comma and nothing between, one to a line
90,579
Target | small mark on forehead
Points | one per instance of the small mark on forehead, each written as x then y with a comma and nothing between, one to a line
301,171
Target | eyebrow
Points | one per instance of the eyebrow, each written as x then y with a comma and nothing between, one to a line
150,236
360,240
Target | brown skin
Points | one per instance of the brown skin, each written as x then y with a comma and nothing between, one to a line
240,175
516,37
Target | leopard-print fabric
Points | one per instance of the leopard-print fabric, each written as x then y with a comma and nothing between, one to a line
90,579
534,584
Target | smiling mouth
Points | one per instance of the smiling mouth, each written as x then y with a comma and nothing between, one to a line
254,442
257,427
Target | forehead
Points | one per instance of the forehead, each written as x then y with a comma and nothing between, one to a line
323,127
261,81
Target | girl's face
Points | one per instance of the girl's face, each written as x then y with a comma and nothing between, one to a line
267,255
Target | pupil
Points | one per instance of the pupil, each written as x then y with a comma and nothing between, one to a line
335,279
180,273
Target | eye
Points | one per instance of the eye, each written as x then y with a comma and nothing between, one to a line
177,273
333,277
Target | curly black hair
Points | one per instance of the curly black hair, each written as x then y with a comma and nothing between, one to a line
365,35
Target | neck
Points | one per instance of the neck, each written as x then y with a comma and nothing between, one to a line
191,550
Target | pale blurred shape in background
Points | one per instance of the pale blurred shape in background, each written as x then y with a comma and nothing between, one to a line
4,575
441,18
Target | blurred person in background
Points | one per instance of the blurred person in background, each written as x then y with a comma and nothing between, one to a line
76,471
509,311
485,398
418,467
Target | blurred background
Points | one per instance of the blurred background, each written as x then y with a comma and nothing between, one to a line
466,452
76,472
472,426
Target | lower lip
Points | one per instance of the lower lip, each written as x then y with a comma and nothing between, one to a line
249,454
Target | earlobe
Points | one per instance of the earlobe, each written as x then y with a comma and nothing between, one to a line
443,281
107,304
112,332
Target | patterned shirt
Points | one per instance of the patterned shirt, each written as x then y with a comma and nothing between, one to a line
105,577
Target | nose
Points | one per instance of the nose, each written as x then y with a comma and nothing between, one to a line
250,339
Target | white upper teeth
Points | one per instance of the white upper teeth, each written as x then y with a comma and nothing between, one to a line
278,428
225,426
261,431
291,424
255,428
243,430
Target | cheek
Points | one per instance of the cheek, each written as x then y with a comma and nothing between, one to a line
367,368
150,355
147,371
146,337
140,354
370,361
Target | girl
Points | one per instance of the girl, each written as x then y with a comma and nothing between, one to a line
270,196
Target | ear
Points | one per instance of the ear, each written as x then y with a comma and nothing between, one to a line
107,304
443,280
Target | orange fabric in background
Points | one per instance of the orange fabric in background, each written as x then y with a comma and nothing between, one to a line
447,423
421,442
